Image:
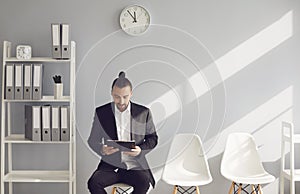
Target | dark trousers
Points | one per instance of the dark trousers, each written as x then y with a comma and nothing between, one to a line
100,179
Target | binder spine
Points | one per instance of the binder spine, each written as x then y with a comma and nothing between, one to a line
55,126
56,41
65,124
37,81
9,82
46,134
33,123
65,41
28,81
19,81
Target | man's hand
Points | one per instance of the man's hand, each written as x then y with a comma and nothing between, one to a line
134,152
107,150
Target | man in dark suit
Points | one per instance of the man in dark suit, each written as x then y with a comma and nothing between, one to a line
122,120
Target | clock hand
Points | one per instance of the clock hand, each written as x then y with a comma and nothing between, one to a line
135,17
134,20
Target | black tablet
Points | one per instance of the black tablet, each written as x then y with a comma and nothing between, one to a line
122,145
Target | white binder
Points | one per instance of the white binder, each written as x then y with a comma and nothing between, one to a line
56,40
65,41
37,81
55,121
28,81
19,81
46,133
33,122
9,81
64,123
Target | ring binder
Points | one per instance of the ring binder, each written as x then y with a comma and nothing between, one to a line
9,85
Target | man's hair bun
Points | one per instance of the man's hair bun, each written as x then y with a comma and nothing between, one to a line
122,74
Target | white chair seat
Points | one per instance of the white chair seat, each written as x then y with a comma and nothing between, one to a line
184,177
120,185
186,164
253,179
241,162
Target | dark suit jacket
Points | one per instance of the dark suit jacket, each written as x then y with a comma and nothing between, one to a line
142,131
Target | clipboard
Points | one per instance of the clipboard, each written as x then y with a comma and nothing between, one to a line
122,145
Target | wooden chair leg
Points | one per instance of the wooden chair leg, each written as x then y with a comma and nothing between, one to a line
114,190
175,189
240,189
231,188
197,190
253,189
260,190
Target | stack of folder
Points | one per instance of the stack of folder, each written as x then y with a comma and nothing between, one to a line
61,48
23,81
47,123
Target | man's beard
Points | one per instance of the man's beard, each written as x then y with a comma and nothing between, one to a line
122,107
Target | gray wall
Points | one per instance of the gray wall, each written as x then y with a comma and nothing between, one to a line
245,53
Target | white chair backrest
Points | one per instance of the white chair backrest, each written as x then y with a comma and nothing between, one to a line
240,157
186,152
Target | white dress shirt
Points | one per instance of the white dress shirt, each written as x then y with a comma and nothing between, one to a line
123,122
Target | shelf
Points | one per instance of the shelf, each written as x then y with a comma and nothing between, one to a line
295,136
38,176
287,174
11,173
20,138
44,99
37,59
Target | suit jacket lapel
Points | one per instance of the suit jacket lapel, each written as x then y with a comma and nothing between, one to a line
137,124
132,122
112,131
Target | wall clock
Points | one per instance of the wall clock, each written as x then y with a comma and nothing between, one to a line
134,20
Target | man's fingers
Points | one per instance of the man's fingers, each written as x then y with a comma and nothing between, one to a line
109,150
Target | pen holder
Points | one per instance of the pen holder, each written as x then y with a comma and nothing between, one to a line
58,91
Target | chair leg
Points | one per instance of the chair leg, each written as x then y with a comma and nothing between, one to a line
260,190
240,189
253,189
197,190
114,190
175,189
231,188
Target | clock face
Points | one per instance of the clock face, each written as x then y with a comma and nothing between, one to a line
23,52
135,20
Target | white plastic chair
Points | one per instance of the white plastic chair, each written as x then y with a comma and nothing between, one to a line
241,164
186,165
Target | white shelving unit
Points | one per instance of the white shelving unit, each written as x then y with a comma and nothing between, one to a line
8,174
292,174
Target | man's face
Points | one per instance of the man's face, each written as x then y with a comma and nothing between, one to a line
121,97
